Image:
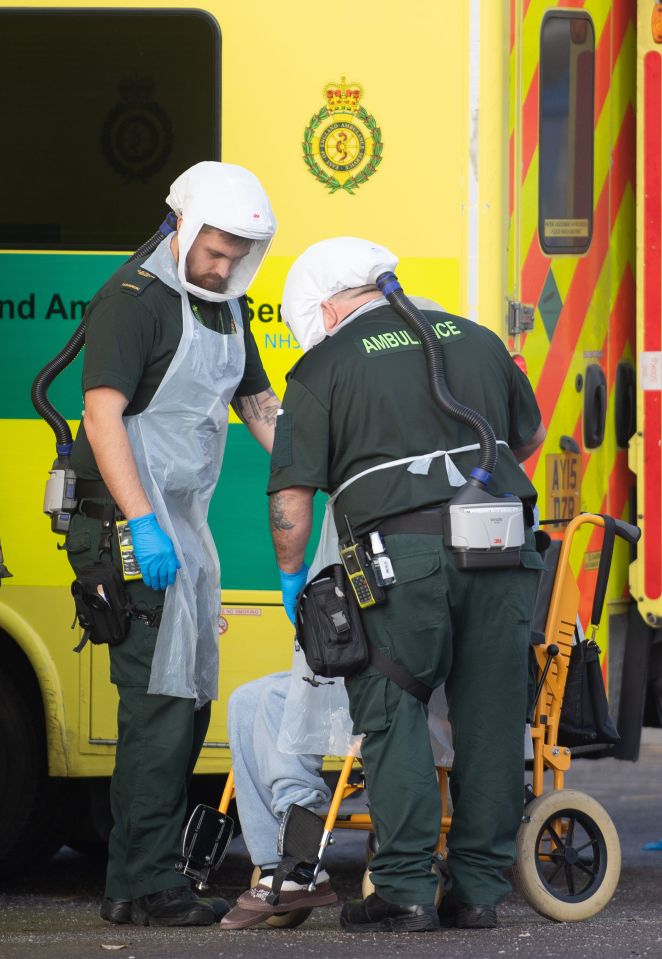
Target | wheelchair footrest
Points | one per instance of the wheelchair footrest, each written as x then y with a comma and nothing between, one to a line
207,836
300,834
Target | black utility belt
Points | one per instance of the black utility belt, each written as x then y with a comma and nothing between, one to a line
90,490
428,519
425,520
100,510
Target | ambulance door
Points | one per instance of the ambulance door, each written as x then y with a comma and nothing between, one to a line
571,257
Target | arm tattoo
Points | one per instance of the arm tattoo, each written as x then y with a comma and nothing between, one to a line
277,513
258,407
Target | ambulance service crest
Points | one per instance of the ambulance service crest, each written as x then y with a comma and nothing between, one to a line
137,136
342,144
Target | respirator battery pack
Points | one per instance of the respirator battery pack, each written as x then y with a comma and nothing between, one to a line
483,531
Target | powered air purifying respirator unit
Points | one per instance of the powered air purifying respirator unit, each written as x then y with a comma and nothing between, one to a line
482,531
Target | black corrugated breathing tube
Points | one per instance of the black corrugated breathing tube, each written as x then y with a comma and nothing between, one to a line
69,352
389,285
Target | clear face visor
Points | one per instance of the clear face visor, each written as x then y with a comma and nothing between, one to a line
218,266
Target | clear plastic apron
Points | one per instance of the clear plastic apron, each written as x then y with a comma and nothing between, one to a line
178,444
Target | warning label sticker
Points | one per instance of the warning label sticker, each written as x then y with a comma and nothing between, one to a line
566,228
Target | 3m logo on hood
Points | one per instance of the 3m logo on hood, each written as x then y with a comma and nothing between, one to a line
342,144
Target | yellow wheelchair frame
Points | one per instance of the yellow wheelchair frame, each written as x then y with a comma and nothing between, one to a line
546,838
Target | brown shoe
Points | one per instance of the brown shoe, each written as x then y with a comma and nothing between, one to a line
252,907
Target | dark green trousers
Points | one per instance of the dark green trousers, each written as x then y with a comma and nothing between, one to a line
471,630
159,741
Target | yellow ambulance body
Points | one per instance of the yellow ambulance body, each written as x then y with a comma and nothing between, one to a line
491,145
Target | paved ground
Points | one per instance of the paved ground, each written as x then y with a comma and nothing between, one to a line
53,913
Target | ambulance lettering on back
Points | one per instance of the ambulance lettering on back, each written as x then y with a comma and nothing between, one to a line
405,340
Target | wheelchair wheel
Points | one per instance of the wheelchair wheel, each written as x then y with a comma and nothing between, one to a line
284,920
568,856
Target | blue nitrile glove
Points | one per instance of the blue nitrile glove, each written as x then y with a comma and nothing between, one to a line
154,552
291,585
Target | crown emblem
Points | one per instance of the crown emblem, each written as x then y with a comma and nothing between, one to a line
342,97
342,144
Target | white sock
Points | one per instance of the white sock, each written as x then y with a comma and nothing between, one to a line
290,886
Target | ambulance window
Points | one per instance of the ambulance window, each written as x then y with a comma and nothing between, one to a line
567,66
100,110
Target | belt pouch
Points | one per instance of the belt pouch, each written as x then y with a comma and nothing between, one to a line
328,625
102,603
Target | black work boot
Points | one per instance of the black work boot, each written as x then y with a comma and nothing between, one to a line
178,906
462,915
374,914
116,910
220,906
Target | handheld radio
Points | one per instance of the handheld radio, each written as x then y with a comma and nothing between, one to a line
360,573
130,568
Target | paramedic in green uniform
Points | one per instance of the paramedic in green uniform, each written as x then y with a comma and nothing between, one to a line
168,346
358,399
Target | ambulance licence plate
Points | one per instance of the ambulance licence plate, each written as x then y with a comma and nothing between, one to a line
563,487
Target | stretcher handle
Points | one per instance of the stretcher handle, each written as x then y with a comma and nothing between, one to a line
627,531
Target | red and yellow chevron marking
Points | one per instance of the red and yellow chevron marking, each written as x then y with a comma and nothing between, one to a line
615,498
596,322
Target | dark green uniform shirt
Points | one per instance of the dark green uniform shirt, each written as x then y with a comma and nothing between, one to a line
362,397
133,329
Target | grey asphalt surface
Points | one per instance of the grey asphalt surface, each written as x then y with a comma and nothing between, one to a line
54,911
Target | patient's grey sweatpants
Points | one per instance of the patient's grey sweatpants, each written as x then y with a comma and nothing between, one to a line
267,780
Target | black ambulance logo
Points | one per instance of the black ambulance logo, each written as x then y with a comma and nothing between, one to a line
137,137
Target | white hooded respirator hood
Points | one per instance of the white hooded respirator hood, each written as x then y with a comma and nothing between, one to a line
324,269
229,198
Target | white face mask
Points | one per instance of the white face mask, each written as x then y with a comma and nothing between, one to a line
326,268
231,199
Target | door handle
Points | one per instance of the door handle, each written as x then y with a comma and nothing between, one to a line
595,406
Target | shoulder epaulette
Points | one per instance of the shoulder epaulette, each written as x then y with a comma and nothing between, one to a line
138,283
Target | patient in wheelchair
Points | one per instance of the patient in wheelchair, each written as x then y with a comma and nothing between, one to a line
270,721
267,782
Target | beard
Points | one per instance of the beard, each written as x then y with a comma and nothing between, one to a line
209,282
